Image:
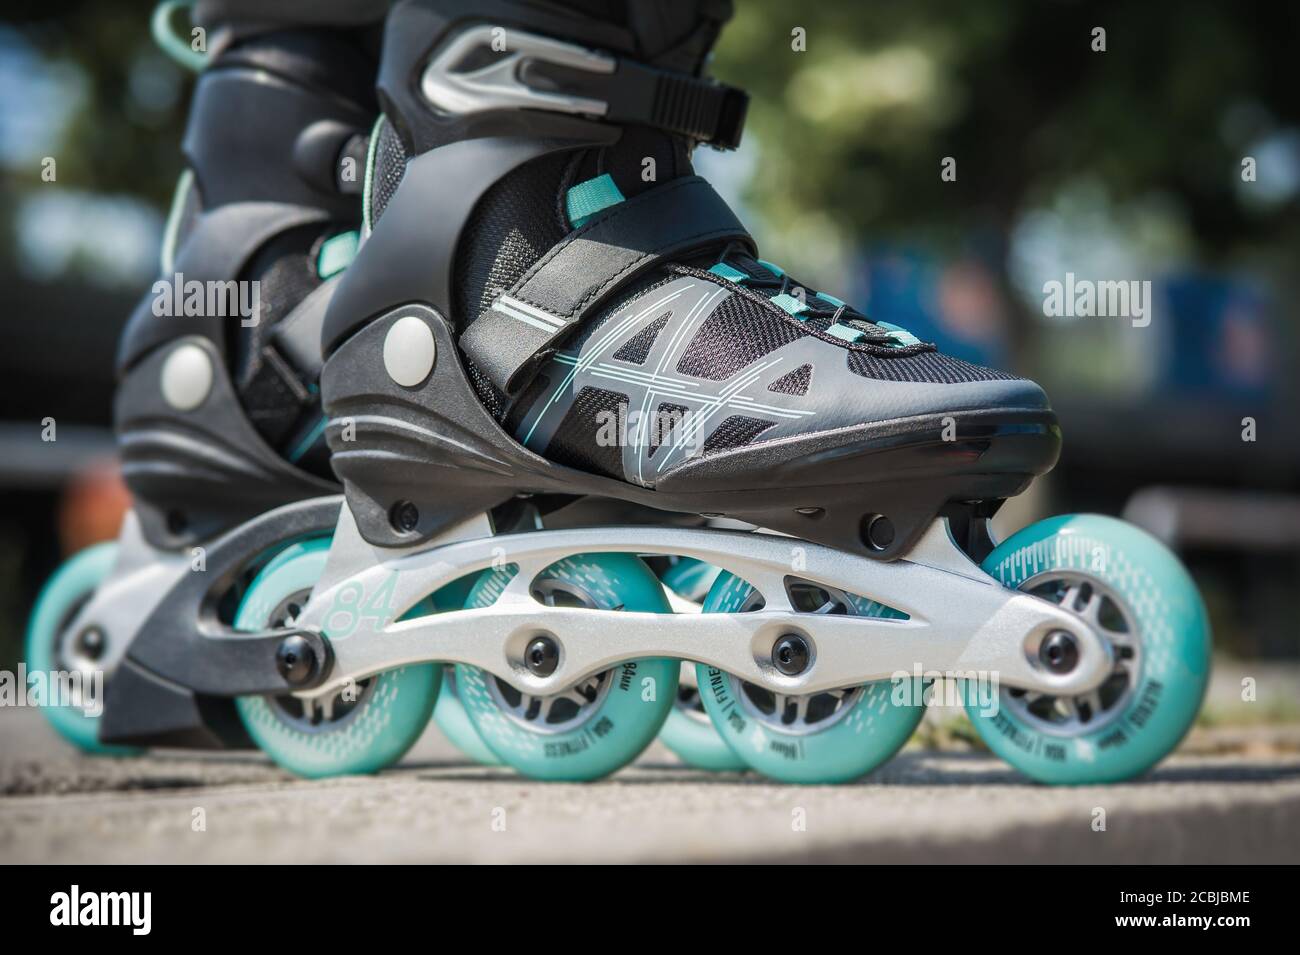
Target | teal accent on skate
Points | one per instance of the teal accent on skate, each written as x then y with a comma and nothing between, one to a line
171,232
623,723
60,598
368,182
336,253
587,198
1174,662
900,334
448,712
727,272
844,332
795,306
455,724
305,444
858,741
789,303
792,305
696,742
173,38
690,733
690,578
389,717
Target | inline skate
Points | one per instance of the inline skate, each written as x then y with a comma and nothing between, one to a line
218,408
553,320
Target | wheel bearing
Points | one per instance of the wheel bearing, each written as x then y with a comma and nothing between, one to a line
295,660
542,655
1059,652
791,654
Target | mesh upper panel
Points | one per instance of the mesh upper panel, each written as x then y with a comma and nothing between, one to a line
793,383
667,416
741,331
520,406
926,367
390,167
514,224
734,432
638,346
738,332
654,279
574,444
493,399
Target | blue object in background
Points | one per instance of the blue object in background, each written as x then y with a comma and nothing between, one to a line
957,305
1224,338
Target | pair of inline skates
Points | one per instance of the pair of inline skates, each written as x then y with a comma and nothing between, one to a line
583,434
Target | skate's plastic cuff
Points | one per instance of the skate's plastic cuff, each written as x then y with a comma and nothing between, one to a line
521,327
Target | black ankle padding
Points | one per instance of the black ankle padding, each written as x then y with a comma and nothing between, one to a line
329,61
626,161
271,116
514,225
673,34
218,14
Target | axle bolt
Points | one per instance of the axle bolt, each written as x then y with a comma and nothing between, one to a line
791,654
296,660
542,656
878,531
405,517
1059,653
90,643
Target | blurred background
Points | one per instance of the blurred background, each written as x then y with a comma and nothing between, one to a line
1125,164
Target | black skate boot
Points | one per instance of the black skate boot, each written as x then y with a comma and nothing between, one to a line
533,186
551,307
218,411
535,215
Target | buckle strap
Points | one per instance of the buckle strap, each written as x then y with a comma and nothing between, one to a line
702,110
523,326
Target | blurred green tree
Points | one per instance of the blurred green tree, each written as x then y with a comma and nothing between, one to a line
852,131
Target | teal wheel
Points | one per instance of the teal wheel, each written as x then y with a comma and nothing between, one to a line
689,578
49,648
1143,603
602,723
448,713
360,732
688,732
455,724
826,737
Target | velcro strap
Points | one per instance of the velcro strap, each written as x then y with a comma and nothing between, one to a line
274,395
297,335
521,327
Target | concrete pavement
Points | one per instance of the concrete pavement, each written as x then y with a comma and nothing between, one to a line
924,806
